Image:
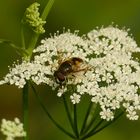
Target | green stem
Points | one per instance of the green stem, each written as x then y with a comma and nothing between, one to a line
35,37
19,50
32,44
68,112
26,109
75,121
107,124
94,131
96,126
93,119
49,115
22,36
47,9
86,118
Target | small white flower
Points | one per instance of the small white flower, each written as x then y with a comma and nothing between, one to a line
96,99
75,98
107,114
61,91
132,115
12,129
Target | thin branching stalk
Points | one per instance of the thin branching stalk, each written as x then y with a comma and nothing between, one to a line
68,112
95,130
75,121
93,119
107,124
49,115
95,127
86,117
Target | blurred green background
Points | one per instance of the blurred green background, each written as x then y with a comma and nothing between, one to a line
83,15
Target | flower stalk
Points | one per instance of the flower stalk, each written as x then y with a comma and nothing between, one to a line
49,115
26,110
22,37
96,128
68,112
93,119
86,117
75,121
47,9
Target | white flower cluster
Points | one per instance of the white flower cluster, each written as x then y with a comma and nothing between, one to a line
118,73
12,129
109,72
34,71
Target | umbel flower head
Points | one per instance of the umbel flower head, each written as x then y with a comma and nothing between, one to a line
108,72
32,18
12,129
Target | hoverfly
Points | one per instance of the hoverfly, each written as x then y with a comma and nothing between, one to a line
68,67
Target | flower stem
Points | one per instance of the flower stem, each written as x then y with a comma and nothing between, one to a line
26,109
49,115
22,37
91,132
68,112
47,9
86,117
93,119
107,124
95,130
75,121
32,44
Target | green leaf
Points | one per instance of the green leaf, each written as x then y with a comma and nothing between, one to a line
8,43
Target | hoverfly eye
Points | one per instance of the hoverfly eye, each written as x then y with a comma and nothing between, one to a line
59,77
